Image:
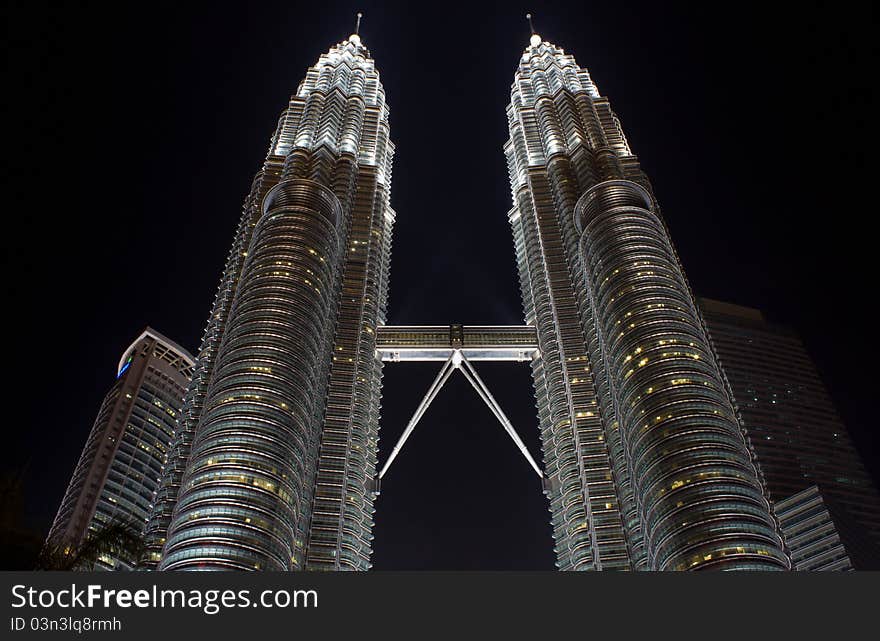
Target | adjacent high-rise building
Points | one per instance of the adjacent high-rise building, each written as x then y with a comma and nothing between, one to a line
794,428
810,533
647,465
274,462
118,473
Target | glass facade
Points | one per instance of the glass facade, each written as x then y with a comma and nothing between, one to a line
798,437
810,533
648,466
274,463
118,473
244,493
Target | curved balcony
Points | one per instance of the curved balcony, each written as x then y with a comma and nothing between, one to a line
254,449
701,501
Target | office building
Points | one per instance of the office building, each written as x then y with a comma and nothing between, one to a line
798,437
118,473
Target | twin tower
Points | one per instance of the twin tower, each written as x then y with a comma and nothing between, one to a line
274,467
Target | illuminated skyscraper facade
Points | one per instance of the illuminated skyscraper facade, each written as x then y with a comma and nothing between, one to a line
276,453
810,533
646,463
118,473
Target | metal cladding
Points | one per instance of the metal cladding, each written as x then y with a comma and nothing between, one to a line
811,534
593,515
118,473
661,448
274,464
700,499
245,492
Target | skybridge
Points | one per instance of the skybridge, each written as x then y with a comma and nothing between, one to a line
456,346
475,342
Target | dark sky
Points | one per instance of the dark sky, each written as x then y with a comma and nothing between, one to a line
135,129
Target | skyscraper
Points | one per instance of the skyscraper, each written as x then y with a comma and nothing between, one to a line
646,463
274,463
794,428
118,473
810,533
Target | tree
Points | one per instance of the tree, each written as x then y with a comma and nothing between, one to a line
118,540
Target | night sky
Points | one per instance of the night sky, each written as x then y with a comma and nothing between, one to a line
134,131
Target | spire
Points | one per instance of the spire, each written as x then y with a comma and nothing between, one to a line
355,37
535,40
